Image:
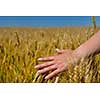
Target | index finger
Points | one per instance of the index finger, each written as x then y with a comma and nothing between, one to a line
46,59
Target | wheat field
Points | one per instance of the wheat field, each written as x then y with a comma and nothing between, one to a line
21,46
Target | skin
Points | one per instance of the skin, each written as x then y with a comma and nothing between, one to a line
59,63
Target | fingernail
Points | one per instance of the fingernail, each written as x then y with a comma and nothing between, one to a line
57,49
35,66
39,58
46,77
39,72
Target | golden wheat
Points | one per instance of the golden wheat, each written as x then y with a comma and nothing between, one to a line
21,47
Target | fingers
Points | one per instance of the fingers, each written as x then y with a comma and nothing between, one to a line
46,59
44,65
55,72
59,51
47,69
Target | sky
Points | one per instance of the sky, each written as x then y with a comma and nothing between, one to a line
47,21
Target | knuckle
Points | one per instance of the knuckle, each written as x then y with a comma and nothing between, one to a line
58,70
52,57
41,65
46,69
54,66
46,64
50,67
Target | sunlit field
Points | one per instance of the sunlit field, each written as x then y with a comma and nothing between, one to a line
20,48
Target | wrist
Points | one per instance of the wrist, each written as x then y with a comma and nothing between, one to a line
79,53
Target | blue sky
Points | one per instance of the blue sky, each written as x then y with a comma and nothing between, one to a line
46,21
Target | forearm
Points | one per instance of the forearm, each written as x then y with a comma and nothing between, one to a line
90,47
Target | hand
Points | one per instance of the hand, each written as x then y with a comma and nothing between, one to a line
57,63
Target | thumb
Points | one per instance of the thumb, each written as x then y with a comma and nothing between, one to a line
59,51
